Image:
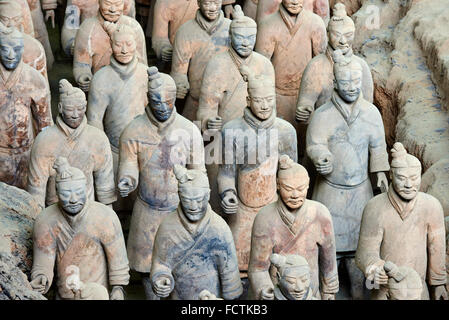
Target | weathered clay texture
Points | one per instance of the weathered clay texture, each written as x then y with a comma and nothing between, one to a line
264,8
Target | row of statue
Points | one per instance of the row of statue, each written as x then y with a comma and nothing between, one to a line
217,194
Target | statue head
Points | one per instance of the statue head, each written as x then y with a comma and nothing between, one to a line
71,187
348,77
243,31
261,97
11,47
404,283
72,104
194,192
292,182
341,29
11,14
210,9
161,94
294,7
123,42
405,172
293,275
111,10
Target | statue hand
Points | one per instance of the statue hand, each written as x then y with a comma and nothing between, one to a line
324,165
125,187
117,293
215,123
50,14
162,287
228,9
303,113
267,293
380,277
39,284
229,203
84,82
166,53
382,182
439,293
328,296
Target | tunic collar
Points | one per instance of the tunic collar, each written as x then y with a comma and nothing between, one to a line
237,59
13,76
209,26
71,134
292,23
194,228
161,126
124,70
255,123
288,217
349,115
75,221
403,208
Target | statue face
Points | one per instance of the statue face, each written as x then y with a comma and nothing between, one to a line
294,283
194,202
11,18
349,84
293,191
294,7
341,36
11,51
243,40
210,8
262,104
72,196
123,47
72,114
111,10
406,181
162,107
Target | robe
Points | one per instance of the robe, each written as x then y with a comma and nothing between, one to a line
92,241
196,257
40,29
34,55
290,45
25,110
356,141
27,21
318,84
86,148
79,10
169,15
408,234
148,151
93,45
196,42
308,233
267,7
250,173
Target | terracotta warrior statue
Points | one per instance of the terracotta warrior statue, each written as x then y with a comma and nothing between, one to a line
317,85
263,8
346,142
40,29
406,227
404,283
293,225
23,18
118,92
75,13
149,147
196,42
85,147
193,248
93,48
26,108
292,278
85,291
290,38
77,233
33,52
252,145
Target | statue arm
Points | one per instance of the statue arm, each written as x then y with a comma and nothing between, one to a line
265,42
160,264
265,8
327,256
38,174
310,88
259,262
289,144
321,8
41,106
210,95
367,83
227,169
104,172
70,27
161,21
319,37
115,250
436,245
141,43
128,158
82,57
316,139
377,145
197,159
97,103
49,4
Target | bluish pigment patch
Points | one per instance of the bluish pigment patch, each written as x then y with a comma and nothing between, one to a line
408,53
422,67
437,106
441,130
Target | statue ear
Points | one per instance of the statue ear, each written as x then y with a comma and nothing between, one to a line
60,107
335,83
248,101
